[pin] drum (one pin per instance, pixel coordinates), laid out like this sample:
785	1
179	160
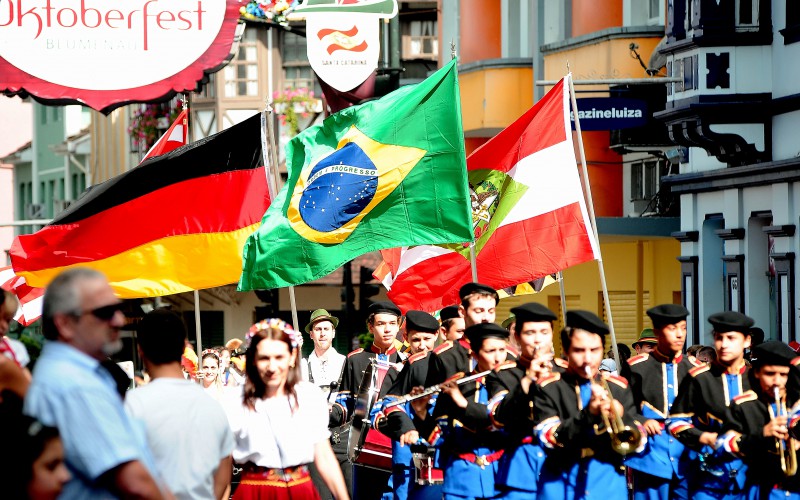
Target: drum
367	446
425	473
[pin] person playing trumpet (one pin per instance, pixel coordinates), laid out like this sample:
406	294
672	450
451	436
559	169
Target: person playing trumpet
757	430
585	421
511	389
659	472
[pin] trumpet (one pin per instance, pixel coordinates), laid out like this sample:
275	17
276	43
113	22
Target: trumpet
785	447
624	438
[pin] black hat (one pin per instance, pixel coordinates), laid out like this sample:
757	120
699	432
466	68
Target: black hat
772	352
449	312
477	332
731	321
383	308
532	312
471	288
588	321
667	314
419	321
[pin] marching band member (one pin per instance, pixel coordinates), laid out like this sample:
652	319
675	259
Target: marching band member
575	416
659	471
511	408
383	321
478	302
470	447
758	430
421	333
701	407
452	327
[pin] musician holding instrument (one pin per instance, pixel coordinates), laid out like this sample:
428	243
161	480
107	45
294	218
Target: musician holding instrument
478	303
585	420
396	421
470	446
511	406
383	322
701	408
758	430
659	472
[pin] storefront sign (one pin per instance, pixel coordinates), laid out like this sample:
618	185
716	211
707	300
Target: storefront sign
608	113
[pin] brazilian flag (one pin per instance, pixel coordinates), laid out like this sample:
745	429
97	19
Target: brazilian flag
388	173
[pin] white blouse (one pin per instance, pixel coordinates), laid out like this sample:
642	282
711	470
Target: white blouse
274	437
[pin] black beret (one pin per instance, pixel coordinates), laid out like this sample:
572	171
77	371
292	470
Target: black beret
667	314
532	312
588	321
731	321
419	321
383	308
449	312
477	332
471	288
772	352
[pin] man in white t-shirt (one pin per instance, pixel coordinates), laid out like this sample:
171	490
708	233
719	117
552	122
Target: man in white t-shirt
187	430
324	363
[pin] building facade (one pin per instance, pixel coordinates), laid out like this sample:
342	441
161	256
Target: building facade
734	111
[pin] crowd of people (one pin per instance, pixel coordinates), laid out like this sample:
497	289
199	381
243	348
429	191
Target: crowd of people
456	407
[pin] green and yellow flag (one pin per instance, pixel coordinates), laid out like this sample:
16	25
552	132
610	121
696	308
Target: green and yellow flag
384	174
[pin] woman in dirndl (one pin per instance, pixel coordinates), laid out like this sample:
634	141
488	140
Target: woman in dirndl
282	425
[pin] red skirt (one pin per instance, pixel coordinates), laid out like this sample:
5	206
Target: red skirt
259	483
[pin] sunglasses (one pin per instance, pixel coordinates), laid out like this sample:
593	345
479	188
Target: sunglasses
105	313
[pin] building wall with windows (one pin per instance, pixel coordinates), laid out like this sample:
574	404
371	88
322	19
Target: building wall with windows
735	111
502	52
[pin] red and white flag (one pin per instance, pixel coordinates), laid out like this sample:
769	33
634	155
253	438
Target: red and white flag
30	298
174	137
528	211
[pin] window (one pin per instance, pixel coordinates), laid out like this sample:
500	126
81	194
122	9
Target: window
420	40
643	12
747	13
296	68
554	21
646	178
241	74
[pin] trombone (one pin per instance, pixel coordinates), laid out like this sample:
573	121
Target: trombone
624	438
785	447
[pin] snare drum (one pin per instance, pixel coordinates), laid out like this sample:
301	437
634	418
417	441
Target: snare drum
367	446
424	472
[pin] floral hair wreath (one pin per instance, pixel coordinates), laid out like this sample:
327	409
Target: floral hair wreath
209	352
269	324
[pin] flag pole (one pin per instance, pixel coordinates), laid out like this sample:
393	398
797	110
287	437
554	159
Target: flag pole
590	206
472	256
273	182
473	261
563	295
197	329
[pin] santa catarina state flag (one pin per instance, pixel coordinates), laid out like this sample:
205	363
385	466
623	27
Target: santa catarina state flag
175	223
528	214
387	173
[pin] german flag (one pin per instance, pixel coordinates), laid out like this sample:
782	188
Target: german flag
175	223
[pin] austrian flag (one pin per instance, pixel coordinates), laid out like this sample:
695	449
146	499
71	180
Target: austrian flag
528	214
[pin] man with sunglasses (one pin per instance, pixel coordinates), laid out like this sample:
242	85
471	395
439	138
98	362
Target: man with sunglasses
105	450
